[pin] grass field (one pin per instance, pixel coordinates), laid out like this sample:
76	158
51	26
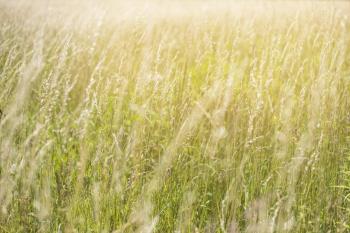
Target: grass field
185	116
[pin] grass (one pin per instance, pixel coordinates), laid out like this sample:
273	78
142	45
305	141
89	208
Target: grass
174	116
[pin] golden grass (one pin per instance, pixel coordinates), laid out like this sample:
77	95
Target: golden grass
186	116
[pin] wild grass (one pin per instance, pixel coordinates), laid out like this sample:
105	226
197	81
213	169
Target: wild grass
174	116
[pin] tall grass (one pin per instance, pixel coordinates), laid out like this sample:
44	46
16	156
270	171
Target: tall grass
174	116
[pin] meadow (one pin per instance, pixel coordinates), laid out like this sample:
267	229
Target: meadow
174	116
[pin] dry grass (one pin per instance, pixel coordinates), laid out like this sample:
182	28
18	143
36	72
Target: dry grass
159	116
